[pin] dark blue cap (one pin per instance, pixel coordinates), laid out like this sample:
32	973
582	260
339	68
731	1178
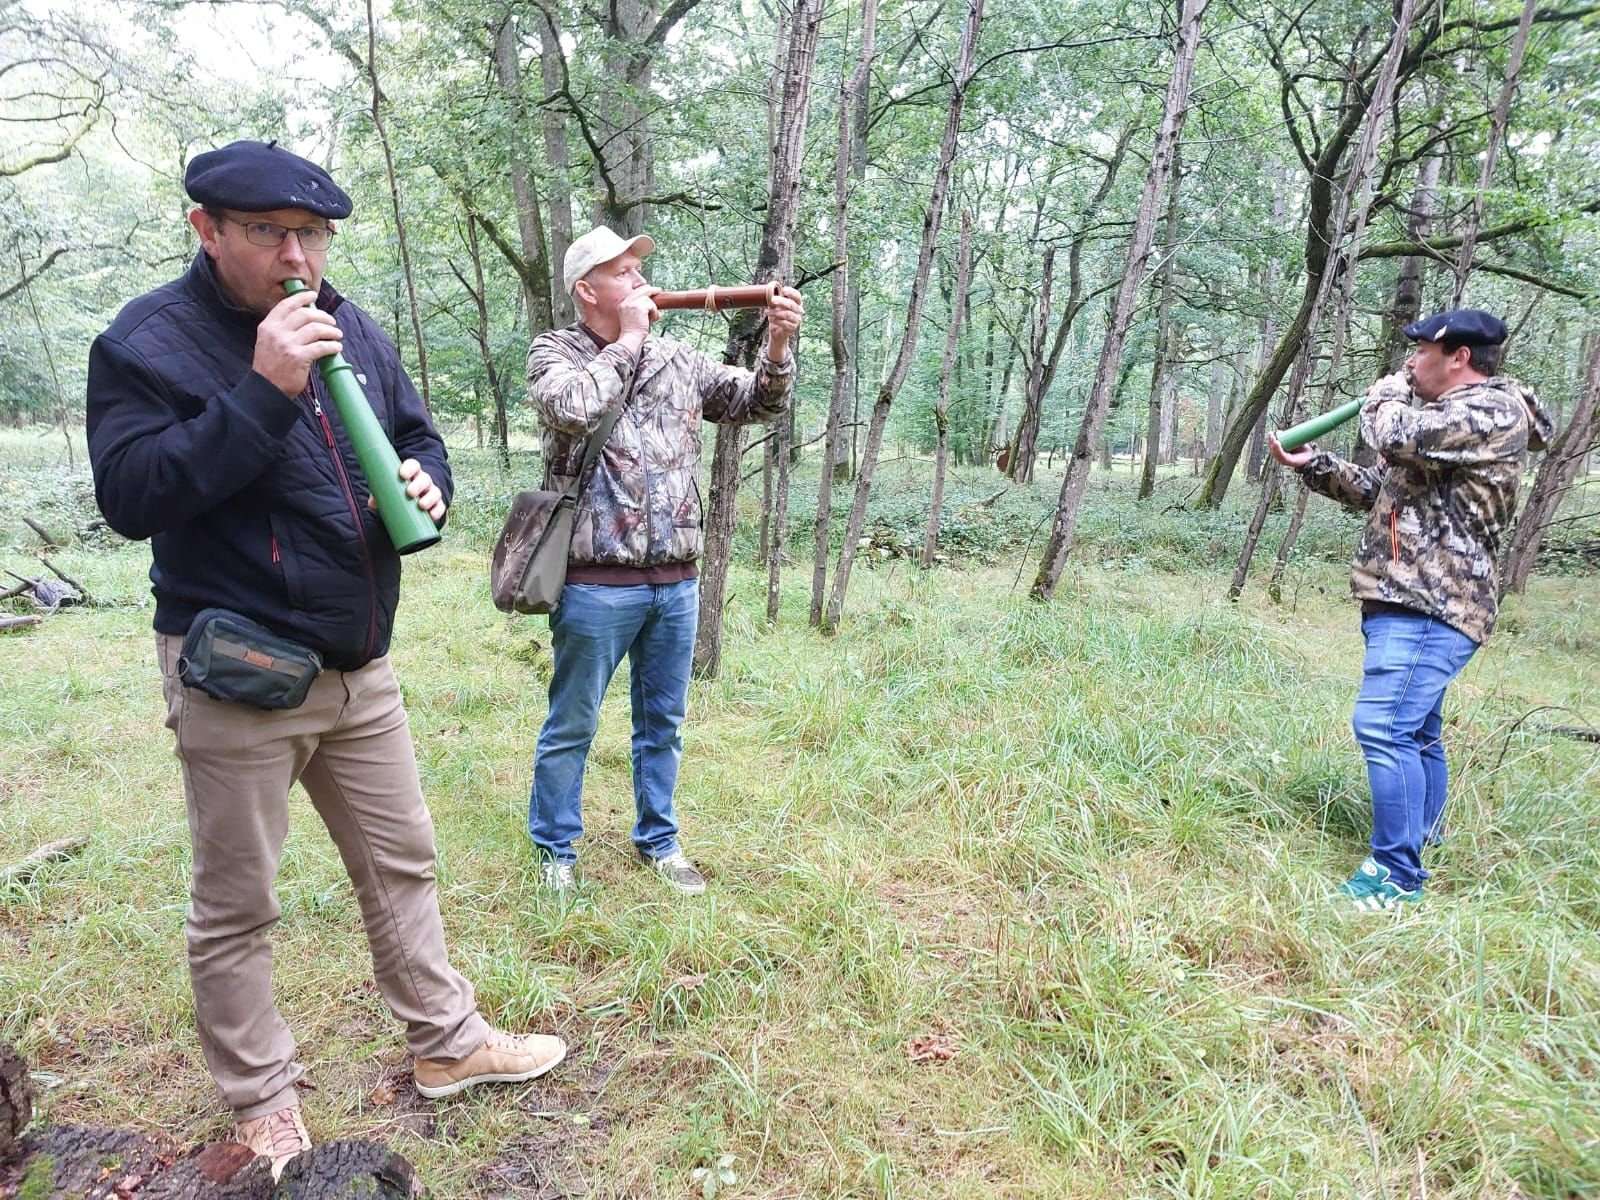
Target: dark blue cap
261	177
1459	327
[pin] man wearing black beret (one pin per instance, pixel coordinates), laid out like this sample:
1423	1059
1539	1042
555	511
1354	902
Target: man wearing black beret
1454	435
276	587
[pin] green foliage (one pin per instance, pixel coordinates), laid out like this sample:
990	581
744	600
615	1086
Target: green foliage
1083	848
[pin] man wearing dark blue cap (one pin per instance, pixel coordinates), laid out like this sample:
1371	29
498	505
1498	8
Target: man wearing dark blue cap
210	434
1453	434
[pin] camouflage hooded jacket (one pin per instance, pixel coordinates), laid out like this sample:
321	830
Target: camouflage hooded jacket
641	506
1440	499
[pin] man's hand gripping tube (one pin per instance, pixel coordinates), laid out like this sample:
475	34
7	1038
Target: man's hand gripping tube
409	527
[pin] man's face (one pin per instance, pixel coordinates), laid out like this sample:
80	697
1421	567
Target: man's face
605	287
1434	370
252	275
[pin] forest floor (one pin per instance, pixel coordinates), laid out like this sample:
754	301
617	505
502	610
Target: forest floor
1006	899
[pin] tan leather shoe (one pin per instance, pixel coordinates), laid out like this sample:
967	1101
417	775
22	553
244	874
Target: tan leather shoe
276	1137
501	1059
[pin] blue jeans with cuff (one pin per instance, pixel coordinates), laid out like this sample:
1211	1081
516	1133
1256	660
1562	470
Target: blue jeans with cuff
591	630
1410	660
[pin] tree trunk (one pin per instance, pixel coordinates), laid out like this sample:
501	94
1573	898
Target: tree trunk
1027	444
1241	429
774	261
1174	110
394	198
1216	397
536	282
908	344
1497	133
1408	282
1077	295
843	341
941	412
554	128
1155	426
502	428
1356	196
16	1099
1556	472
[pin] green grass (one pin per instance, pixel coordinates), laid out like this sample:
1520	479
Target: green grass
1086	846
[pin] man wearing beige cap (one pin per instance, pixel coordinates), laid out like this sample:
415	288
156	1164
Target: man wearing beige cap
632	577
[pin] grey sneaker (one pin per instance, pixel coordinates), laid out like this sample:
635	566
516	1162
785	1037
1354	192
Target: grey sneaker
556	876
677	870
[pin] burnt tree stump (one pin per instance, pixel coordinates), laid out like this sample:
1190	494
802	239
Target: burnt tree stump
75	1162
16	1099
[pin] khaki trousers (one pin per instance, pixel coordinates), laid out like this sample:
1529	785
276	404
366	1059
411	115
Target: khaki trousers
349	747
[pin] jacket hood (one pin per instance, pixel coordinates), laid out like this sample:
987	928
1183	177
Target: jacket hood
1540	426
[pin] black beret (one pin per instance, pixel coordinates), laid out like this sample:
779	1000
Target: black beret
261	177
1460	327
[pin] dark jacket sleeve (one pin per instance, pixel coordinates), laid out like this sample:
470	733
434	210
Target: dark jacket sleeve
154	469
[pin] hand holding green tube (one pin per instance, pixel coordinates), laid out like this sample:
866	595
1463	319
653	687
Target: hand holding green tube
1297	436
408	526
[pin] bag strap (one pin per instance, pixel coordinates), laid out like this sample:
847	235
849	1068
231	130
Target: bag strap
597	439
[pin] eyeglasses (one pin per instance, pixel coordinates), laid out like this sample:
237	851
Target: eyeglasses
313	238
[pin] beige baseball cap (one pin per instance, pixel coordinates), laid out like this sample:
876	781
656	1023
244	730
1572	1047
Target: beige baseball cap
596	248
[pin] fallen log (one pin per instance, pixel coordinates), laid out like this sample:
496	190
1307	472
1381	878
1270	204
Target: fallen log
59	850
19	622
76	1162
16	1098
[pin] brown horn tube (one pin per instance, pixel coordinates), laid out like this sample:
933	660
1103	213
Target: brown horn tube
715	299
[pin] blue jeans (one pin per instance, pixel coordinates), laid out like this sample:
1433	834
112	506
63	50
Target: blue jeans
590	631
1410	661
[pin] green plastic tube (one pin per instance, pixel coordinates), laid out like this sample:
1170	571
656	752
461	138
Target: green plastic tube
1296	436
408	526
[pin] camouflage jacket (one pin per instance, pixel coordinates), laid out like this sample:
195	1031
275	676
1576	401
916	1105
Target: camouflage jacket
641	506
1442	495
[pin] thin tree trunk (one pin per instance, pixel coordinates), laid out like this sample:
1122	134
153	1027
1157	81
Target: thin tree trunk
1027	448
1497	133
394	197
1174	110
502	431
941	411
774	261
1357	195
1281	563
1216	397
1408	281
1242	435
557	162
1556	472
1160	371
530	225
860	125
908	343
843	341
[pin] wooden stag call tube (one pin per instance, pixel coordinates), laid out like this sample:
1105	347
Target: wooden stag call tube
1296	436
715	299
408	526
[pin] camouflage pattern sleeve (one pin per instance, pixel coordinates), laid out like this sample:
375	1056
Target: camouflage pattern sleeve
735	396
1466	427
572	396
1351	485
